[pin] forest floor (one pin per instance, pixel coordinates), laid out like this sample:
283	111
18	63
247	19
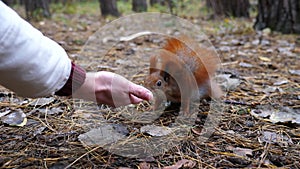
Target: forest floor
258	127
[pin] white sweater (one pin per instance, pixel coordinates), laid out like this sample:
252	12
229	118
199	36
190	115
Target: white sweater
31	64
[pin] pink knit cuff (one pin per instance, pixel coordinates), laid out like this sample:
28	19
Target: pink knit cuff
76	79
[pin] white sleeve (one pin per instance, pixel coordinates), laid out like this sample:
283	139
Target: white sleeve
31	64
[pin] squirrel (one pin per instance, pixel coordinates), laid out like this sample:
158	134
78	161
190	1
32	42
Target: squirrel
182	70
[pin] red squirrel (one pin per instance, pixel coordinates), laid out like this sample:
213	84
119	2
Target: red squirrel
183	71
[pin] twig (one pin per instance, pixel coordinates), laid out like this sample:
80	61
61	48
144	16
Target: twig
239	103
82	157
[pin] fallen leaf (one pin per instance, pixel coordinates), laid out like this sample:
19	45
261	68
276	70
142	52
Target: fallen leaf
224	48
39	130
182	163
15	118
82	114
265	59
294	72
266	31
297	50
272	137
109	39
197	130
246	65
227	82
5	113
155	130
42	101
144	165
265	42
51	111
283	115
147	159
100	136
120	128
255	42
261	113
286	51
244	152
280	82
242	53
271	89
235	42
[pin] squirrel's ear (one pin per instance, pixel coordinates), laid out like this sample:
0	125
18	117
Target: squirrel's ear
152	70
153	64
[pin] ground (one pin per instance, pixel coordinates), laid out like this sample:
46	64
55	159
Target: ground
263	70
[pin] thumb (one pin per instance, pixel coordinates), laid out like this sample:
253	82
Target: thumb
140	92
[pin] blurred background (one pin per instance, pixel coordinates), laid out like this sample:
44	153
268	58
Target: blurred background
278	15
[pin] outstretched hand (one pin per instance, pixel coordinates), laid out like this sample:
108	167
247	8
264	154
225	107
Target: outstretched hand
111	89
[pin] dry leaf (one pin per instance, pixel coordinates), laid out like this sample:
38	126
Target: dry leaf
244	152
271	89
280	82
246	65
272	137
144	165
227	82
295	72
197	130
261	113
265	59
15	118
182	163
42	101
103	135
284	115
156	130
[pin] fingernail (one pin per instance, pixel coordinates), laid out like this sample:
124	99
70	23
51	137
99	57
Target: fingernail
149	95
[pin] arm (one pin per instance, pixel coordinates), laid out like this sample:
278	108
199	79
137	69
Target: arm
33	65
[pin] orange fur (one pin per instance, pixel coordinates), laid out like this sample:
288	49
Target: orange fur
181	63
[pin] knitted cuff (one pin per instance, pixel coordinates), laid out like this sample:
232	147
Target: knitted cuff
76	79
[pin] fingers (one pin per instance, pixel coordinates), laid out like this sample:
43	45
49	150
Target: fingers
140	92
134	99
116	90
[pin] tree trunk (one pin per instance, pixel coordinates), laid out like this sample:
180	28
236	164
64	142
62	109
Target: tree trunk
139	5
279	15
153	2
109	7
235	8
32	7
208	3
172	6
10	2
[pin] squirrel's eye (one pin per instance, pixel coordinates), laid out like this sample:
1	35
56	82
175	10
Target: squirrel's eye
158	83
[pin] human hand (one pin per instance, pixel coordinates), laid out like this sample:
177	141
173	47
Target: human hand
111	89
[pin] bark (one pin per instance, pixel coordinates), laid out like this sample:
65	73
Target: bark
235	8
279	15
153	2
139	5
31	6
10	2
109	7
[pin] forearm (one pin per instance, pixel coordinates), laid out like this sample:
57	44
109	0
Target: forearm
33	65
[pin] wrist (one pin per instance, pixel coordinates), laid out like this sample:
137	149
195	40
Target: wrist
76	80
94	88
